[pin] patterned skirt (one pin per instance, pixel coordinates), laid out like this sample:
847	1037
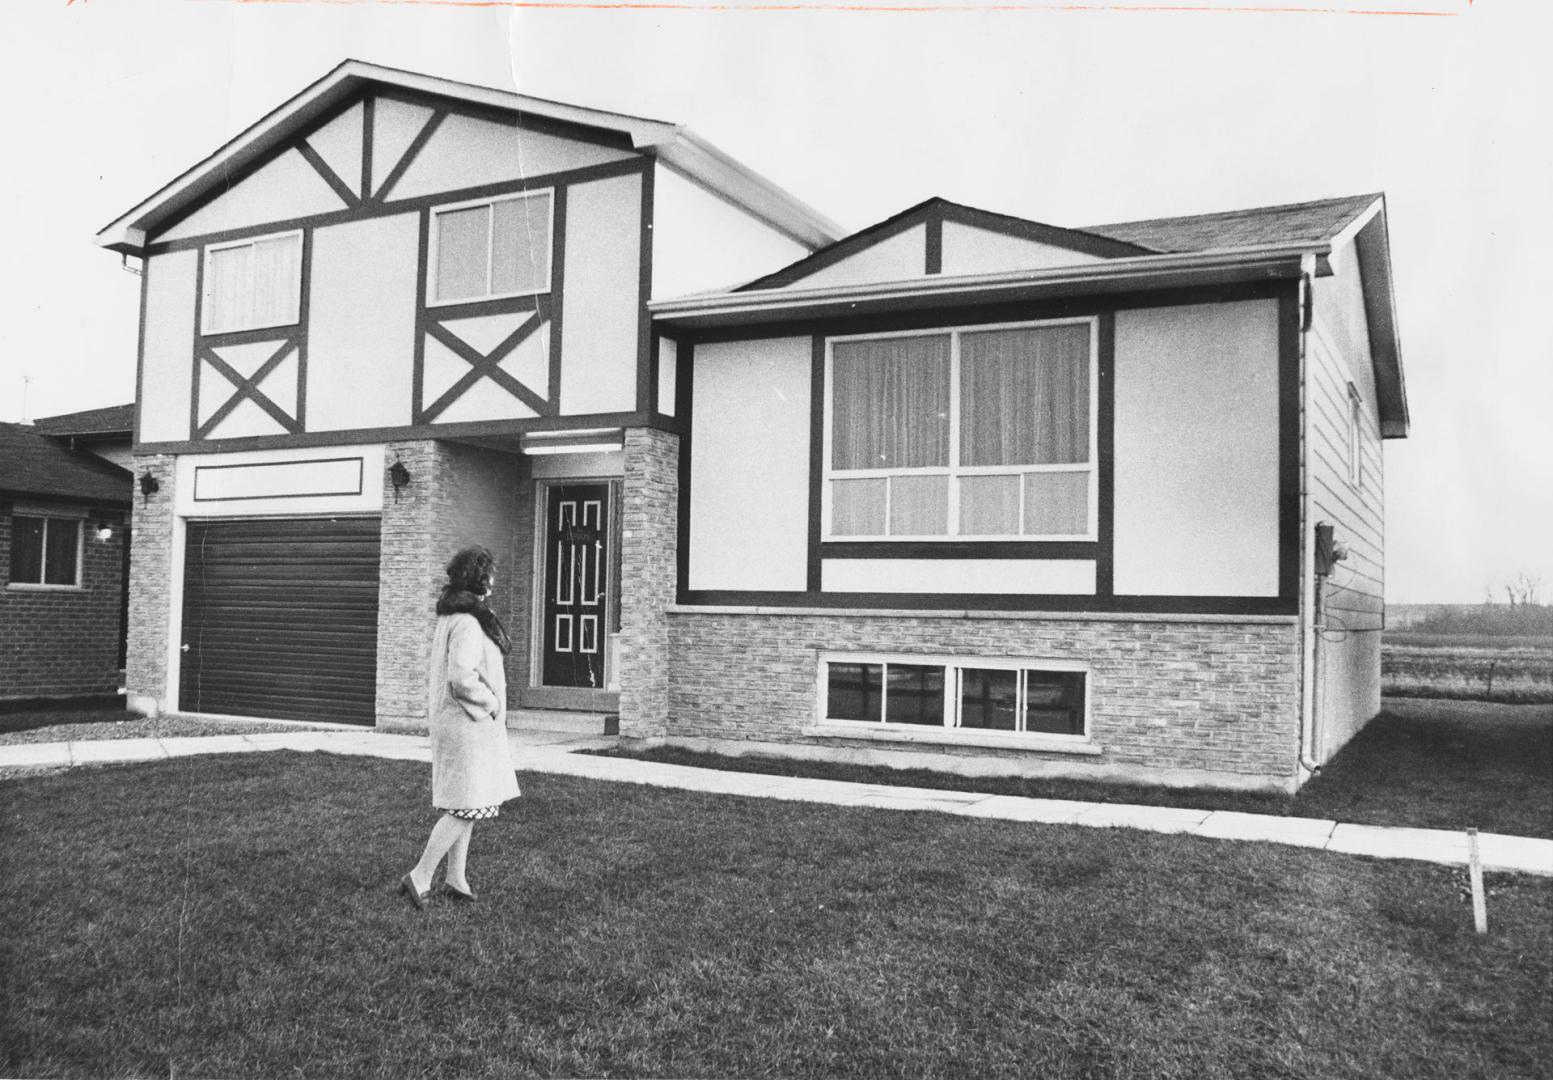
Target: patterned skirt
473	813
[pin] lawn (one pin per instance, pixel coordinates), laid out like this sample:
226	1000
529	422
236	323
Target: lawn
1479	667
1427	764
234	917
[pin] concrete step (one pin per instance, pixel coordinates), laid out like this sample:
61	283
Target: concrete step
578	723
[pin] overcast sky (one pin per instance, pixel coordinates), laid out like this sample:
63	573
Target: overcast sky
1061	113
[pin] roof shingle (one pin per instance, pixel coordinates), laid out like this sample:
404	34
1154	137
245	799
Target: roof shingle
34	464
1292	223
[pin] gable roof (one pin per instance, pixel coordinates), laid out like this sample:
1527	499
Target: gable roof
673	144
34	464
935	211
115	420
1321	220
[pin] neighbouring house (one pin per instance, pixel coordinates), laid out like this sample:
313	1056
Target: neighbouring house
109	433
64	546
959	490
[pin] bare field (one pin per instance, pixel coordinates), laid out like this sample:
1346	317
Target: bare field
1474	667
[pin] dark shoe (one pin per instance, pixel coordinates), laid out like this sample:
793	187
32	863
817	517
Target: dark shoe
458	894
419	899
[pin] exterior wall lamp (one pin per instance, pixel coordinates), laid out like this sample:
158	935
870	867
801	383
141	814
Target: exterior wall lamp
148	484
399	476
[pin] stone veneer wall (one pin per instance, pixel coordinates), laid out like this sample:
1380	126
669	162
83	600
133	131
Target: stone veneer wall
1184	701
457	495
59	643
150	590
649	524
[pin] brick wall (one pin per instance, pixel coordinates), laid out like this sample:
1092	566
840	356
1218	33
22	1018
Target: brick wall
648	526
457	495
150	590
63	642
1183	702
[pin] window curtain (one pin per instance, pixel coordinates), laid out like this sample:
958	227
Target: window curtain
277	278
890	403
254	285
229	272
1024	396
520	246
463	250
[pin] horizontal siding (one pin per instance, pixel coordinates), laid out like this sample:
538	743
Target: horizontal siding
280	619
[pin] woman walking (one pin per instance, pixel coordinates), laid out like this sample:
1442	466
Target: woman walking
471	769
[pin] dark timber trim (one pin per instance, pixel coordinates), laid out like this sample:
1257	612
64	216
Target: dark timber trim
934	261
248	388
558	214
645	390
418	373
816	459
195	338
684	402
473	429
332	178
422	137
1102	550
379	208
367	109
304	308
140	348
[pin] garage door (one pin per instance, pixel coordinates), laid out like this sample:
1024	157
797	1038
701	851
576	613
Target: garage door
280	619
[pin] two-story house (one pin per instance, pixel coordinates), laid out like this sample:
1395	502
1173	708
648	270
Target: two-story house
959	489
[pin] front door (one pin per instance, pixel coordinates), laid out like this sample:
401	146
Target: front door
576	585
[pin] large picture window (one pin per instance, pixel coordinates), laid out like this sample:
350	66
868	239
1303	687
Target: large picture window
974	695
45	551
491	249
979	433
252	284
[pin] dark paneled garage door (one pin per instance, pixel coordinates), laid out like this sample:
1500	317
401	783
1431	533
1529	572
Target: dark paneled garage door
280	619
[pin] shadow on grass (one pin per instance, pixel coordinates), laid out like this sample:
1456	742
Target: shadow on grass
1420	764
31	715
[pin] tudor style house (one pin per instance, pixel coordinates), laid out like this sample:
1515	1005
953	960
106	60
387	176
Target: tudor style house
959	490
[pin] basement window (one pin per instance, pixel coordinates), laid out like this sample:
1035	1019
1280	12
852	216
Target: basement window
45	552
969	695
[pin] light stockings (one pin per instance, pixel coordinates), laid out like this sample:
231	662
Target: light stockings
450	837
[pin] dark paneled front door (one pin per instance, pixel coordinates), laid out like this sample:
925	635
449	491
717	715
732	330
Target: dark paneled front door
576	585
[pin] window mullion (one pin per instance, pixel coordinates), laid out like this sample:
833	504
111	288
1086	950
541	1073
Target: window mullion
43	553
952	697
884	687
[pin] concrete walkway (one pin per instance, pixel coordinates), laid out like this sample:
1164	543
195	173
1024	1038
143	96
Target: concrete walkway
556	752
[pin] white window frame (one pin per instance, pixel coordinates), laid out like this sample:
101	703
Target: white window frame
206	307
433	246
1355	437
954	667
954	471
80	550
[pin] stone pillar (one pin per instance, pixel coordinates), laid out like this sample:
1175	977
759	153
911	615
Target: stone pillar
151	573
648	571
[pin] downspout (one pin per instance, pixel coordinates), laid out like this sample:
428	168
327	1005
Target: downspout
1310	595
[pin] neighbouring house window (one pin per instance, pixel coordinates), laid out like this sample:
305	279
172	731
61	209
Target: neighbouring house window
252	284
491	249
982	433
969	695
45	551
1355	440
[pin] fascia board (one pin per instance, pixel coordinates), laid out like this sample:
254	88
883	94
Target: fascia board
702	163
1282	260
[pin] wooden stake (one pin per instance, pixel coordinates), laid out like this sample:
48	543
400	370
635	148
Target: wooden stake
1475	868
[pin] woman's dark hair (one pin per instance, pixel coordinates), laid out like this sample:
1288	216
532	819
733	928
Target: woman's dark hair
469	582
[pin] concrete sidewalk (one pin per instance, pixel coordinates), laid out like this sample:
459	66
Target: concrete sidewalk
556	752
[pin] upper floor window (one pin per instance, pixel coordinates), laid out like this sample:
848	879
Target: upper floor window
252	284
1355	440
983	433
491	249
45	551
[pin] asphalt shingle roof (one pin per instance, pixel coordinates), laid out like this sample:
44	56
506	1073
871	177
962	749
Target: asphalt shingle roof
1292	223
114	420
34	464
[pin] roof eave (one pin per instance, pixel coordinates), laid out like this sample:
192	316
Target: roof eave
1114	275
1372	245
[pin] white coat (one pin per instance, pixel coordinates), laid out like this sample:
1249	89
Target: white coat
471	765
